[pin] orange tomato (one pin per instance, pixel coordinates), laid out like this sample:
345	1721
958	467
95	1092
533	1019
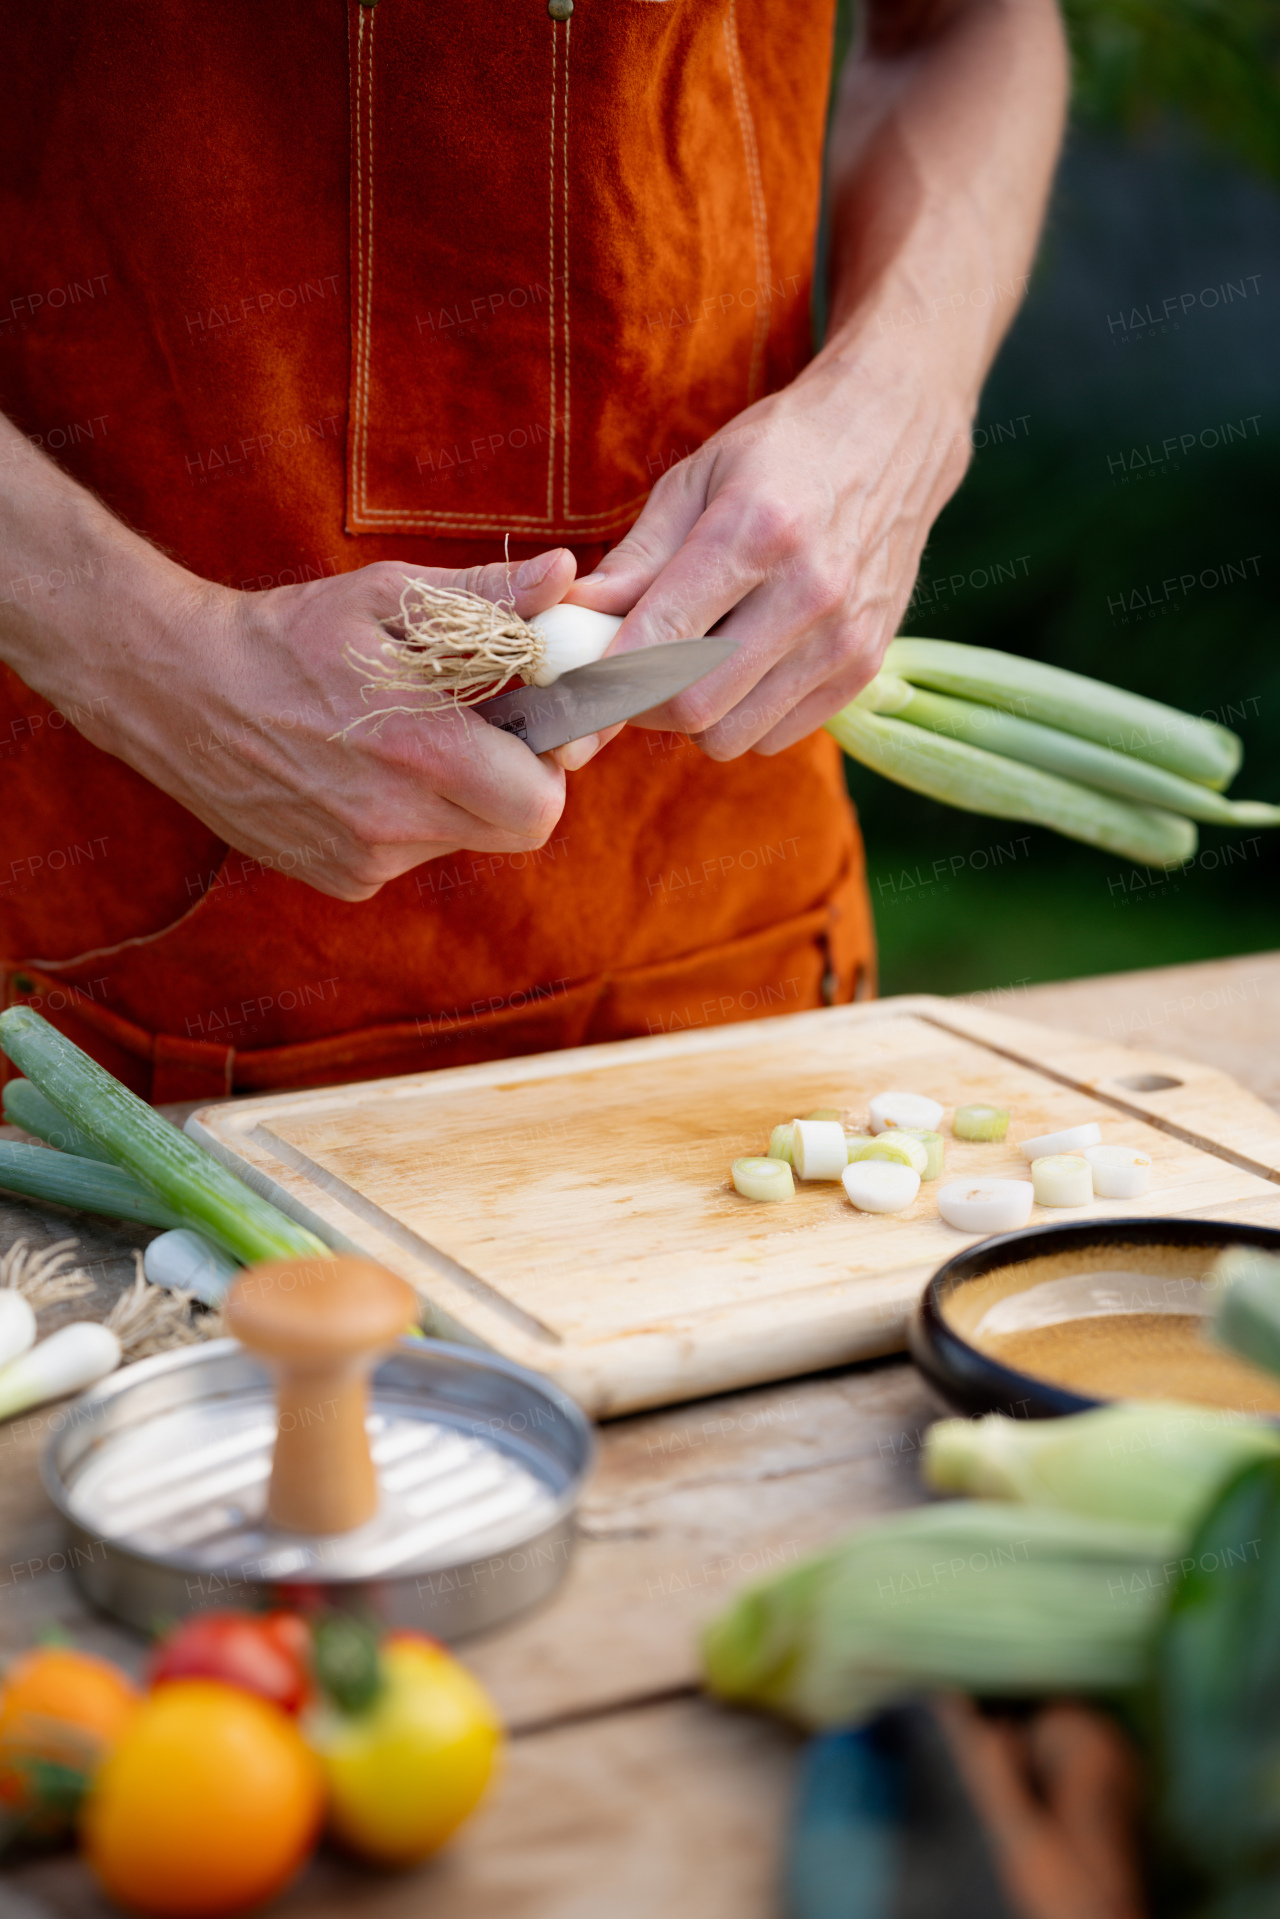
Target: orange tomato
59	1707
207	1806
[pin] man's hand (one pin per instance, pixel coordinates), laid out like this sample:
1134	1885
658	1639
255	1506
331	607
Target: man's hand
799	526
230	702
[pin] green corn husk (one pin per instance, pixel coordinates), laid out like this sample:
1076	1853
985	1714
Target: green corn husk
1247	1321
1145	729
26	1106
1065	753
988	1597
1155	1463
980	782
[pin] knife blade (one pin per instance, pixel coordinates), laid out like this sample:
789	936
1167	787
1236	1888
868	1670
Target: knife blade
589	698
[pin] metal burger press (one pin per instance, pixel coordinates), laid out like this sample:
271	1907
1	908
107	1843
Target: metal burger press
319	1458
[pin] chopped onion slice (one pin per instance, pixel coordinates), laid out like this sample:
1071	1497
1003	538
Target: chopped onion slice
904	1109
986	1205
820	1151
782	1142
763	1179
1069	1140
1062	1179
880	1185
932	1143
1119	1172
905	1148
980	1122
853	1141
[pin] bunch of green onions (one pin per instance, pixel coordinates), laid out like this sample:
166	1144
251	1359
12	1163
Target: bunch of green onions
992	733
119	1157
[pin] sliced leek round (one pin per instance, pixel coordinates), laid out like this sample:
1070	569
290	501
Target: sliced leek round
903	1148
933	1146
880	1185
820	1151
980	1122
1118	1172
1062	1179
1072	1139
782	1141
904	1109
763	1179
986	1205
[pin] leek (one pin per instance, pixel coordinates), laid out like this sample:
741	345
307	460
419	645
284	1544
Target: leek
767	1179
980	1122
60	1179
1062	1179
880	1185
1159	1464
1248	1317
977	781
74	1357
986	1596
26	1106
1197	749
1066	753
193	1186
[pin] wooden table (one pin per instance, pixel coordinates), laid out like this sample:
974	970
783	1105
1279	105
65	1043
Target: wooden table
624	1791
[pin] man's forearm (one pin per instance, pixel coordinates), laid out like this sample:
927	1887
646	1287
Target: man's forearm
943	147
74	580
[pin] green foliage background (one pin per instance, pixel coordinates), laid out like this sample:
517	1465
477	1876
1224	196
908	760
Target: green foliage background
1179	99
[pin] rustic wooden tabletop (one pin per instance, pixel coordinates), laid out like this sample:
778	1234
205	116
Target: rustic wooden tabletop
624	1791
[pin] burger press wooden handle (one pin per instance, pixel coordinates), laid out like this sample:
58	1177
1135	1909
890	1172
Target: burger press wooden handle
320	1324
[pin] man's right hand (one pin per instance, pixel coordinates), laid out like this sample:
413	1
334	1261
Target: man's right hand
231	702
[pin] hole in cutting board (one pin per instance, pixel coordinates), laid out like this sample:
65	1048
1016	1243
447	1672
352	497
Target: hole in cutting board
1147	1083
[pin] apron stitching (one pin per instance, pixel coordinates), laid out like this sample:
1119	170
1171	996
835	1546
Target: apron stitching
564	258
551	275
759	211
137	939
365	169
357	265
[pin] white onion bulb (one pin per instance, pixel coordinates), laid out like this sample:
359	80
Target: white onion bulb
1070	1140
1062	1179
573	636
986	1205
904	1109
880	1185
17	1324
1119	1172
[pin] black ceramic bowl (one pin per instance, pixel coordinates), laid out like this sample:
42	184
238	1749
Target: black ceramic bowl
971	1381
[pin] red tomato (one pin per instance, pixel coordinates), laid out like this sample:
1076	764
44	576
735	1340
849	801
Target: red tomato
262	1653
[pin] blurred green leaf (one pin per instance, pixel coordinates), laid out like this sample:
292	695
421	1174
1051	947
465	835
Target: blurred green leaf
1216	62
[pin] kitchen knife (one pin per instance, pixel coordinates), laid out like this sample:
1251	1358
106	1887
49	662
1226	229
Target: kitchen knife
589	698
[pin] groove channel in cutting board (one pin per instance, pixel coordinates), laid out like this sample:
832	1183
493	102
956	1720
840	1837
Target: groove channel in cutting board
598	1201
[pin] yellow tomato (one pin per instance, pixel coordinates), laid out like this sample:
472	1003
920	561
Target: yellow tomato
207	1806
405	1773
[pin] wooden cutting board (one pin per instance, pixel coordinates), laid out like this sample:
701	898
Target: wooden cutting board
573	1211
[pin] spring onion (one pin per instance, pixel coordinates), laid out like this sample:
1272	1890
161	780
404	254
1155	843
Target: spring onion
933	1146
1119	1172
1158	1464
1071	1139
880	1185
194	1188
820	1150
986	1205
87	1184
904	1148
1062	1179
1146	729
571	636
782	1142
1248	1316
17	1324
68	1361
767	1179
979	1122
187	1262
981	782
26	1106
986	1596
854	1142
903	1109
1064	753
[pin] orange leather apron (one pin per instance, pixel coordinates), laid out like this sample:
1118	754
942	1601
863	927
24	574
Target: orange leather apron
298	287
